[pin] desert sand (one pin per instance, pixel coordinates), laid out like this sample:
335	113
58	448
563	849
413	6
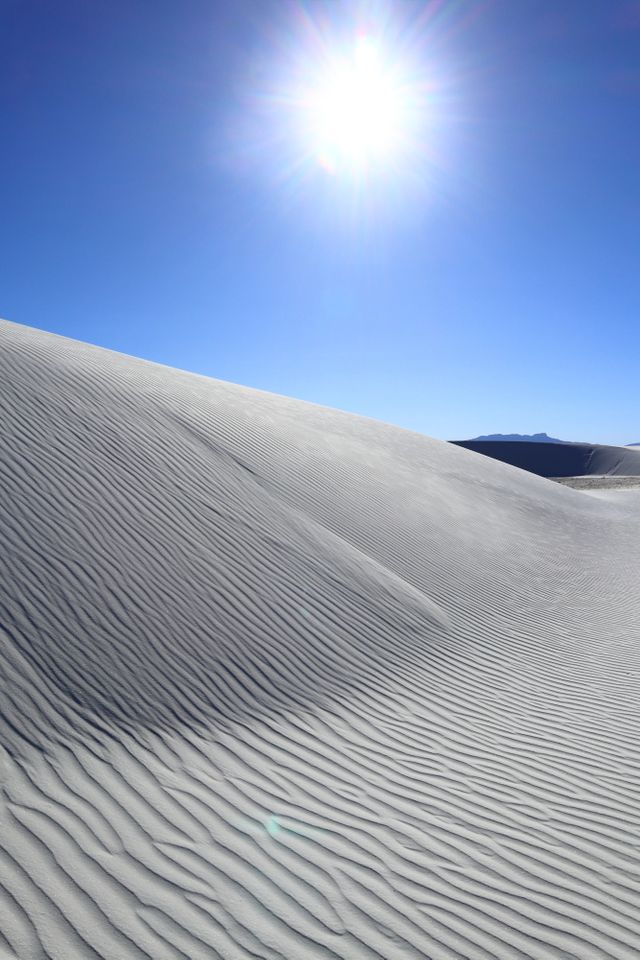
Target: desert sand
283	683
599	483
561	459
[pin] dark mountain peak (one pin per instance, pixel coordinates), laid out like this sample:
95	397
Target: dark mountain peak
528	437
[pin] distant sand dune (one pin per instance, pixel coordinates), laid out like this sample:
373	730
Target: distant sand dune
560	459
283	682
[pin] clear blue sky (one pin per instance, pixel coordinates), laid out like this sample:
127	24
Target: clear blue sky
151	202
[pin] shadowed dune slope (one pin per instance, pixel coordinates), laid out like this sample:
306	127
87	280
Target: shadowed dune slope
280	682
560	459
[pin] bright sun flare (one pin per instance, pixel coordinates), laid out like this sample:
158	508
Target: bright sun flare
357	110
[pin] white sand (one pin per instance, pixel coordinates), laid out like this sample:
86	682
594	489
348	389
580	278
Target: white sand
605	482
283	682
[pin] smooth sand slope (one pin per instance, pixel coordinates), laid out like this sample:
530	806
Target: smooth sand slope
283	682
560	459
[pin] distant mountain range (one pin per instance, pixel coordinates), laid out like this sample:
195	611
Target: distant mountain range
530	437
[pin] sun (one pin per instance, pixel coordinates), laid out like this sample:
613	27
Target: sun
357	110
349	108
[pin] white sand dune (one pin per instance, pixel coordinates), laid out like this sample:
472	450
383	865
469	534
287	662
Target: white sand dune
283	682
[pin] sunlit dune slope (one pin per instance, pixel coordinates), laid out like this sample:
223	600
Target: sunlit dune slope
283	682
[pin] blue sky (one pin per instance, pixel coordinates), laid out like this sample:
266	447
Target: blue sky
155	199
